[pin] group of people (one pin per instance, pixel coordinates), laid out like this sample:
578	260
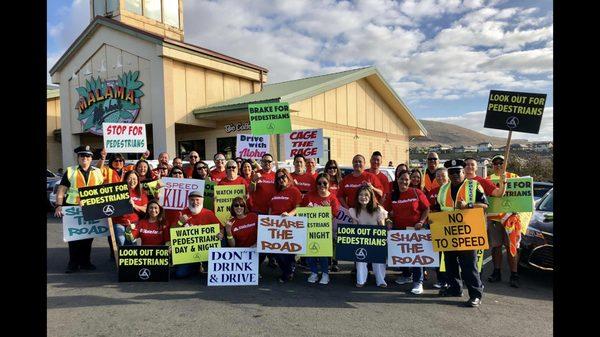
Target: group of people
366	193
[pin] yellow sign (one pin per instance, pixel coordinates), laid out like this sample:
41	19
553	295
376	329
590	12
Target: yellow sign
223	197
191	244
319	241
459	230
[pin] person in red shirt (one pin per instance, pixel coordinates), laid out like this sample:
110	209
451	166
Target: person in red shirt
246	171
349	186
139	201
242	228
334	175
285	201
409	208
262	187
303	180
193	159
311	167
195	215
232	177
151	229
401	167
376	160
416	179
218	173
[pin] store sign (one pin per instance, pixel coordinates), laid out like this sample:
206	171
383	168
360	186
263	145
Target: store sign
235	127
110	101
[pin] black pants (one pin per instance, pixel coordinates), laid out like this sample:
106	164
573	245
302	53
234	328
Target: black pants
467	260
287	263
79	252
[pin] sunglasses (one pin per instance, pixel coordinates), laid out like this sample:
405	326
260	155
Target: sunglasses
282	178
239	205
231	167
497	163
85	155
322	183
267	161
432	159
177	172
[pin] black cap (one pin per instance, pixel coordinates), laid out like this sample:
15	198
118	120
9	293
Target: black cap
84	149
454	164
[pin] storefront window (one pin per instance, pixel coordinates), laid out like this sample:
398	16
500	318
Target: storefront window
171	12
134	6
326	151
227	146
184	148
152	9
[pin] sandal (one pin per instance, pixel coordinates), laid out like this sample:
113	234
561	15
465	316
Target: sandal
358	285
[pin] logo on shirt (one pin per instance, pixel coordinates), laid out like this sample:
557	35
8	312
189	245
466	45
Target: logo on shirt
108	210
403	201
144	273
360	253
353	185
280	197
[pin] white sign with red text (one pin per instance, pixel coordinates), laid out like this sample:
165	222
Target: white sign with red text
252	147
174	194
124	137
411	248
305	142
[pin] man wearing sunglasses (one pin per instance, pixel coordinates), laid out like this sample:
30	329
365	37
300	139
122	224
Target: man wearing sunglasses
433	161
232	177
218	173
193	158
75	177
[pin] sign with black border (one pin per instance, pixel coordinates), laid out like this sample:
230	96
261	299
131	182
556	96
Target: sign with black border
515	111
143	264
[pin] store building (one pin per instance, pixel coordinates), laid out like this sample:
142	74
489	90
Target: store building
131	65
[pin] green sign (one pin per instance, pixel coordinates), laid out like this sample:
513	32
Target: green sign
518	197
209	193
110	101
191	244
224	195
319	239
270	118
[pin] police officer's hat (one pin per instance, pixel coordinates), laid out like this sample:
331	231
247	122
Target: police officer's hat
84	149
195	194
454	164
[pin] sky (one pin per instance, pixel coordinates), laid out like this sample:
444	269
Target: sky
442	57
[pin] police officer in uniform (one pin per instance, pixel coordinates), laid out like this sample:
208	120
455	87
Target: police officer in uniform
76	177
461	193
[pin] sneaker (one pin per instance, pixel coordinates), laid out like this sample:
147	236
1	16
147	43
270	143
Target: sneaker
382	285
473	302
404	280
495	277
88	266
439	285
514	281
313	278
324	279
417	288
360	285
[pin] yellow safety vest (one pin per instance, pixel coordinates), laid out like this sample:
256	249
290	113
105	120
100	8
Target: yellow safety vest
76	180
466	192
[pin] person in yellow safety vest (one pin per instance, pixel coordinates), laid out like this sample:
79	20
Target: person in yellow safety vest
505	229
461	193
429	182
75	177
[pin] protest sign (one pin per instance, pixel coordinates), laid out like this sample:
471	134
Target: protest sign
342	218
209	193
124	137
76	228
282	235
252	147
515	111
458	230
232	267
191	244
270	118
104	201
319	241
143	264
361	243
224	195
518	196
410	248
174	193
308	143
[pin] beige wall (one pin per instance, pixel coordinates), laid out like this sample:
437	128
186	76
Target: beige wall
53	148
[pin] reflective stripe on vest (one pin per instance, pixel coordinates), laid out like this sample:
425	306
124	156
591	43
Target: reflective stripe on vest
110	175
466	192
76	180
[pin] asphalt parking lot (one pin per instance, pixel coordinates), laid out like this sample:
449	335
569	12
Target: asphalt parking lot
95	304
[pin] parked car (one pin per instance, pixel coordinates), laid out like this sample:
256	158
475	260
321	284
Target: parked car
51	179
540	189
538	242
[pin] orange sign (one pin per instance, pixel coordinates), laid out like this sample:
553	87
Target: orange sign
459	230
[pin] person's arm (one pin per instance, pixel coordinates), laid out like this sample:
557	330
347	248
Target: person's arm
501	189
60	199
422	220
230	238
100	162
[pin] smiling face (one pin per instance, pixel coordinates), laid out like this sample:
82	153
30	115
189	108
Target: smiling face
118	163
247	169
178	162
231	169
311	164
84	160
470	167
132	181
239	208
266	163
220	162
163	158
282	180
299	165
153	210
322	185
415	179
358	164
403	182
194	157
364	197
142	168
376	162
441	177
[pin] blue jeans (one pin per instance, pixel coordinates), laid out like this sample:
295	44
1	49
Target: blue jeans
417	274
185	270
314	262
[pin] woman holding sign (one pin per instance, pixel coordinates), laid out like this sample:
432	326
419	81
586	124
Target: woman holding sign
242	227
149	182
284	202
409	208
139	200
368	212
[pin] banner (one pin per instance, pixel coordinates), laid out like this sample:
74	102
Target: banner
232	267
76	228
411	248
124	137
191	244
361	243
174	193
308	143
319	241
143	264
342	218
209	193
515	111
252	147
105	201
459	230
270	118
224	195
282	235
518	196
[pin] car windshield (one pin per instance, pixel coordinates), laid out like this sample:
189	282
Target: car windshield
547	205
540	190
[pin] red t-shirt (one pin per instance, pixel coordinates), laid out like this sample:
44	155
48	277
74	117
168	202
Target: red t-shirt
139	200
333	187
245	230
217	176
285	200
205	217
487	185
265	190
304	182
188	171
432	197
152	234
314	199
408	208
237	181
350	184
